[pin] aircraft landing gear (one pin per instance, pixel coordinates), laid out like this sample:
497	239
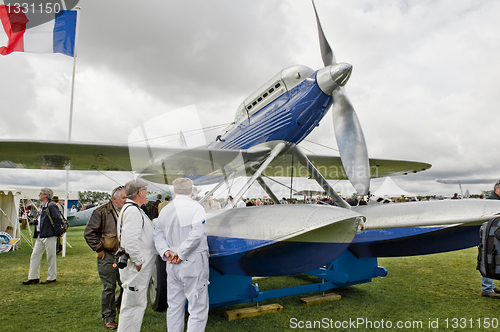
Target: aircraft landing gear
158	286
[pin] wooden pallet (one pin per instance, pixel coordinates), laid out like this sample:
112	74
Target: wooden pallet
252	312
308	301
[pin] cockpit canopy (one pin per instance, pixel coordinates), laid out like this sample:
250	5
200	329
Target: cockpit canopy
275	87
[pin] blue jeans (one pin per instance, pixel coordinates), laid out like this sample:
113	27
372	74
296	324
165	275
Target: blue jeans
487	285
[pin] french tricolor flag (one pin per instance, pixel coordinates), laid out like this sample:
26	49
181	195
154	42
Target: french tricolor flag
57	35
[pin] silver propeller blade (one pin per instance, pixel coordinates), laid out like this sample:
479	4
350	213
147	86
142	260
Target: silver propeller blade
351	142
326	51
350	138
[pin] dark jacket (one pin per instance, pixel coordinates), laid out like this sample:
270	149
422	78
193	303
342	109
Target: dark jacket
100	232
46	228
153	210
493	196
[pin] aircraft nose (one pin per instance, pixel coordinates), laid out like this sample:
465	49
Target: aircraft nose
341	73
331	77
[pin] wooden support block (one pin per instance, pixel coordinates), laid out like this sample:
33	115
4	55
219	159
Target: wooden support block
307	301
252	312
258	278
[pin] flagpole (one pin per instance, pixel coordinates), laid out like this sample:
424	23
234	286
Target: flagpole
78	9
72	97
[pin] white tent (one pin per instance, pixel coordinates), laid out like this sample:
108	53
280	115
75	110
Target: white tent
32	193
9	217
390	189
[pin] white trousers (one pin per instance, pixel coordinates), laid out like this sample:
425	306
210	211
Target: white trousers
134	298
48	245
188	280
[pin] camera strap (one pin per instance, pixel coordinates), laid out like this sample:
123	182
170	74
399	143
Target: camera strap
121	219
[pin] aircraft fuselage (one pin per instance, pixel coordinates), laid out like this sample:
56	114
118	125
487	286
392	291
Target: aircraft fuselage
290	115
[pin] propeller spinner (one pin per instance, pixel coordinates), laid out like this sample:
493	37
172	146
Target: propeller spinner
348	132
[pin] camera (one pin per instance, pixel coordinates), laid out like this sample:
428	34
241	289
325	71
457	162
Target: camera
121	258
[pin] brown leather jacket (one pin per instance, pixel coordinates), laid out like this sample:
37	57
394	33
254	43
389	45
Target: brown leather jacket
100	232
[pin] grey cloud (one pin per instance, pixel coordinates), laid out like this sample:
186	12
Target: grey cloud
424	79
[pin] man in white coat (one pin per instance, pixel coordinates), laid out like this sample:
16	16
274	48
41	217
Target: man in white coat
135	232
181	239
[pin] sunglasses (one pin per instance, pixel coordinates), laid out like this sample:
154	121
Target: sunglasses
116	189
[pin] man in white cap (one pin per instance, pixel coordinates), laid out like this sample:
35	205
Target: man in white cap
135	232
181	239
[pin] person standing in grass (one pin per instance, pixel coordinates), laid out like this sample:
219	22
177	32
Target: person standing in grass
101	236
181	239
48	220
135	232
56	200
488	287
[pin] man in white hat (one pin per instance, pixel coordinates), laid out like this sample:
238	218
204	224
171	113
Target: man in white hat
135	232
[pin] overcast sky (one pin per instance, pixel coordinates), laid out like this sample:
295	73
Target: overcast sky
424	82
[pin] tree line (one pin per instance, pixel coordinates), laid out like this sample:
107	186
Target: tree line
92	196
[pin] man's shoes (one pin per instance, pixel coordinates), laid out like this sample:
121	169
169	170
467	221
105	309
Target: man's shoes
111	325
491	294
31	281
48	281
497	290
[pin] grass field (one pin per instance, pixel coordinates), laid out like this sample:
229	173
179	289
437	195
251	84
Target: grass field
441	291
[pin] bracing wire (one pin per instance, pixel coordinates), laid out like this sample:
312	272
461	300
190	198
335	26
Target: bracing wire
322	145
192	132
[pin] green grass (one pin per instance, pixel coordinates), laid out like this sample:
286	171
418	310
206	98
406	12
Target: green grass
422	288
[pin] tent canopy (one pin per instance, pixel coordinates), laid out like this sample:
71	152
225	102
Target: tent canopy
9	207
32	193
390	189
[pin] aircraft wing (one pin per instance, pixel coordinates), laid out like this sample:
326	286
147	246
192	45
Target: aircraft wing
159	164
164	164
57	155
467	181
